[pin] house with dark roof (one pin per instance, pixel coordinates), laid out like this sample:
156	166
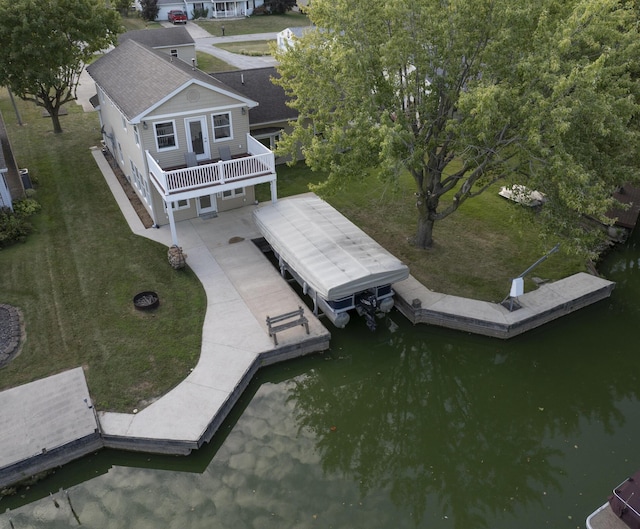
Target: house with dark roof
180	135
272	115
174	41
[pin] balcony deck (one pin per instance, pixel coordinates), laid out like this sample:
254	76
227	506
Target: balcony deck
251	168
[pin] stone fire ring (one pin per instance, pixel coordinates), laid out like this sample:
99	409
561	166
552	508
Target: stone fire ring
11	333
146	300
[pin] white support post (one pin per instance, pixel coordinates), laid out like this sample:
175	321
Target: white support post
172	223
274	191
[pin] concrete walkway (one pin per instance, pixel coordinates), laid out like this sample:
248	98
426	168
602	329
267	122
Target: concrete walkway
206	43
242	289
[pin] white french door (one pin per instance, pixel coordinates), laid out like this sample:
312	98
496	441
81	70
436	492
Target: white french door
198	137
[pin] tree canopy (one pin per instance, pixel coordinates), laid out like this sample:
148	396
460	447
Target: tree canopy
46	44
465	93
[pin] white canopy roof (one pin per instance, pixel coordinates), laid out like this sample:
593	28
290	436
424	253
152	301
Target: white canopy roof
329	252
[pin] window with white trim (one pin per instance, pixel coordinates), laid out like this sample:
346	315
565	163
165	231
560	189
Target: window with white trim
136	135
233	193
166	135
141	183
180	204
173	52
222	126
124	123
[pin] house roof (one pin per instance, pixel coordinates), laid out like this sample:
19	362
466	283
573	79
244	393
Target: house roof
159	38
138	79
256	84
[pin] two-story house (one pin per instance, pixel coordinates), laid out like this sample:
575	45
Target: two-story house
180	135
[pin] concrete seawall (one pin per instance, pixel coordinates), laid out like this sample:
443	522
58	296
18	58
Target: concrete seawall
547	303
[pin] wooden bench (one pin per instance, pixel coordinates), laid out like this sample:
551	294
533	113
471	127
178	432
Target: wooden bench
286	321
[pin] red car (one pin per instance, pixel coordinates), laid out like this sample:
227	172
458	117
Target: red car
177	17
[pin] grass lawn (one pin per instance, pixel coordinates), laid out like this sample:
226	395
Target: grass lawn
249	47
254	24
135	22
75	277
210	64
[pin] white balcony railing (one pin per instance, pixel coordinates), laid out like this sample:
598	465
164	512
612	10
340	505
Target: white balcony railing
258	162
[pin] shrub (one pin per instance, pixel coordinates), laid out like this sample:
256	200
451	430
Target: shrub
14	226
26	207
200	13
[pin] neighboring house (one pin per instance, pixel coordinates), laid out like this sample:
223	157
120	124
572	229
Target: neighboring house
175	41
228	9
287	37
272	115
6	200
181	136
11	184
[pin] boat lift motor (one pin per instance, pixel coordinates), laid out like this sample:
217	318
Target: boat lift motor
517	284
367	306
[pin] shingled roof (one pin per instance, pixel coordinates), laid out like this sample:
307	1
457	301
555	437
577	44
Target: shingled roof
137	78
256	84
159	38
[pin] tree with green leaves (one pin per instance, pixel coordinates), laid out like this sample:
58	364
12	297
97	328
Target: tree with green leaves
149	9
45	45
463	94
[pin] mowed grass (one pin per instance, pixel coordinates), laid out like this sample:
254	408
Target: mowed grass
75	277
254	24
478	250
210	64
249	47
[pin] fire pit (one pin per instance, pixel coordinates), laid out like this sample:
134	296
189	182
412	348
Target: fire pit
146	300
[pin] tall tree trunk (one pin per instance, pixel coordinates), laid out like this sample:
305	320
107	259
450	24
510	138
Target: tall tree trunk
55	119
424	233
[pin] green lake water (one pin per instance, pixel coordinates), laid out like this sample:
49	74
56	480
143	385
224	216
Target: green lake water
407	427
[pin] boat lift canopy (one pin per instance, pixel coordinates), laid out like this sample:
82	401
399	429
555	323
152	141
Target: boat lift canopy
330	253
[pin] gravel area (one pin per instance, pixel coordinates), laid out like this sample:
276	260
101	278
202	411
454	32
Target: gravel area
11	333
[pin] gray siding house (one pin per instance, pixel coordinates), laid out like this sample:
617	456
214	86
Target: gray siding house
180	135
215	9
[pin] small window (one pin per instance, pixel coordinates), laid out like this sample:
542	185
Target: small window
222	126
124	123
180	204
136	135
166	135
233	193
173	53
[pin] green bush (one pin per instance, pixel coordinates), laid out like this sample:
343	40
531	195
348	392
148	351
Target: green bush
14	226
199	13
26	207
